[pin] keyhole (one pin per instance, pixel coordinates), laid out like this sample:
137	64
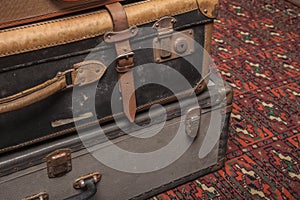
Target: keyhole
181	45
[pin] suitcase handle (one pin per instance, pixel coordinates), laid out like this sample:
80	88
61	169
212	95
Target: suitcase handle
88	183
90	190
82	74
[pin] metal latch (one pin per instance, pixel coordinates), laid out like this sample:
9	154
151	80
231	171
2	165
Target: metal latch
169	44
39	196
59	163
193	121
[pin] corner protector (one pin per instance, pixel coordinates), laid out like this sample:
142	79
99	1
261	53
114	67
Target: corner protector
208	8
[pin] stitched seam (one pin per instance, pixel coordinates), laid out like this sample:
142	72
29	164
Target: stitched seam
50	22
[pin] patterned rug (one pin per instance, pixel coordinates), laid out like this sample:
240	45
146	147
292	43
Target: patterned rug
256	46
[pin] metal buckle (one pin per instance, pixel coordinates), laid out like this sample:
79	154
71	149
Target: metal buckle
66	74
125	55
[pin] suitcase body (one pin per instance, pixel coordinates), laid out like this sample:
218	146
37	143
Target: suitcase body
199	148
36	57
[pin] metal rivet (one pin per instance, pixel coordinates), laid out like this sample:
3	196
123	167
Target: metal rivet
97	70
157	24
205	10
80	70
82	184
173	20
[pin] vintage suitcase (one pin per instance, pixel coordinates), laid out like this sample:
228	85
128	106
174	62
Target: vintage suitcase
190	141
19	12
101	54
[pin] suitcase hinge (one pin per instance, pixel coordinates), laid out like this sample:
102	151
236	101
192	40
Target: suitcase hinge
59	163
169	44
193	121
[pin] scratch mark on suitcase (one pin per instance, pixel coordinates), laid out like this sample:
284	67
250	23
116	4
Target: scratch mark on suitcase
62	122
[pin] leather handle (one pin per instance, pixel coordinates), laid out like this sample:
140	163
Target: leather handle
33	95
82	74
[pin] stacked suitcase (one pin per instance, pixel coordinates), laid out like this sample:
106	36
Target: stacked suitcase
80	98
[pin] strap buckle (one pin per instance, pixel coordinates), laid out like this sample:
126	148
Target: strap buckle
125	62
69	76
125	55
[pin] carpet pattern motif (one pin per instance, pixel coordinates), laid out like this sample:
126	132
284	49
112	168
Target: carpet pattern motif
256	47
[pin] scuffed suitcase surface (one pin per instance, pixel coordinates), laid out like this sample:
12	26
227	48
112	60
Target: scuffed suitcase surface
128	185
24	70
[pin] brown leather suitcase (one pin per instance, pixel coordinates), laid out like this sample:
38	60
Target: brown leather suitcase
62	75
19	12
180	142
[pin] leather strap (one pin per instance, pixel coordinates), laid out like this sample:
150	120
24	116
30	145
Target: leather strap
82	74
125	61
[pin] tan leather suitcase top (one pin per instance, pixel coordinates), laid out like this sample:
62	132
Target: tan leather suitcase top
18	12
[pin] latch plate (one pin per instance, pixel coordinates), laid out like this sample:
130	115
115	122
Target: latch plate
180	44
193	121
59	163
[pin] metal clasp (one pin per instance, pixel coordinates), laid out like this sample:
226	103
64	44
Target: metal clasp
169	44
193	121
125	55
164	27
59	163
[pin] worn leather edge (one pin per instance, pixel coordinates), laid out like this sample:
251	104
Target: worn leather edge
62	31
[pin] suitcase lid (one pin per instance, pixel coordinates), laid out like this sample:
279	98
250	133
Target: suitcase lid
19	12
88	25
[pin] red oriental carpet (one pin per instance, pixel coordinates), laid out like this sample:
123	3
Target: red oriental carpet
256	47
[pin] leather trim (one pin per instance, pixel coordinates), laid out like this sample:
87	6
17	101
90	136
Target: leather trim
62	31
